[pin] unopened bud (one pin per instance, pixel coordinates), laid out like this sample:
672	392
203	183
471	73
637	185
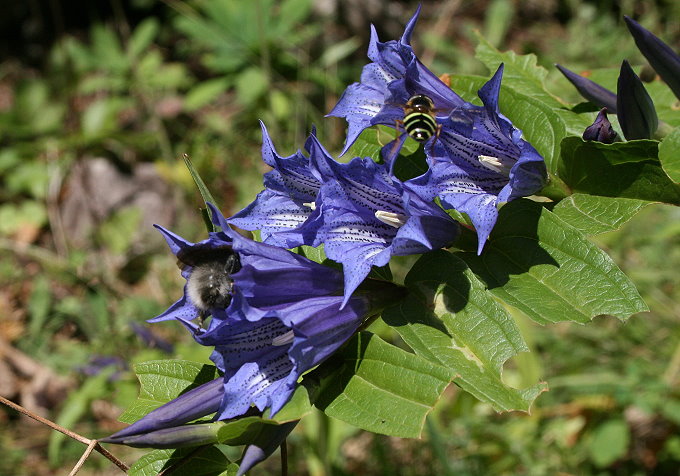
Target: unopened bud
601	130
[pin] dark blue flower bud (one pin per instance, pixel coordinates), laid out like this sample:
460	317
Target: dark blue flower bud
196	403
593	92
601	130
176	437
662	58
636	112
264	445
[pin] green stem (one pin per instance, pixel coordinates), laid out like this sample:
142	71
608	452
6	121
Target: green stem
555	189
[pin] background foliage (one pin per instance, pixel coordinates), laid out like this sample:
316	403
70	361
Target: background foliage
95	115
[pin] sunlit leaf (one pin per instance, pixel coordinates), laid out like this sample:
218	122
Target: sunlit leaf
450	319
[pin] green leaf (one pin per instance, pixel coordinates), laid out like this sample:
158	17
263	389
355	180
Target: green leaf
205	92
163	380
372	140
380	388
521	72
593	215
202	188
142	37
450	319
609	442
669	155
76	405
315	254
623	169
549	270
242	431
205	462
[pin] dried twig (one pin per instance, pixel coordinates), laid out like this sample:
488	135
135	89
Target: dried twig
95	445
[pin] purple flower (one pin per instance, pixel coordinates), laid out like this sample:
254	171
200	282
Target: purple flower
593	92
636	112
601	130
363	104
196	403
663	59
285	210
285	315
477	157
369	216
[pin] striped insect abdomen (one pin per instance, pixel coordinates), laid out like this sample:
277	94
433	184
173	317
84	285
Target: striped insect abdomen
420	125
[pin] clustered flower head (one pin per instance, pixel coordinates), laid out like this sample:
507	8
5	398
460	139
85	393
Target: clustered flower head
274	314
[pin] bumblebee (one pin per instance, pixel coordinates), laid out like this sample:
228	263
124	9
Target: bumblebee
419	118
210	285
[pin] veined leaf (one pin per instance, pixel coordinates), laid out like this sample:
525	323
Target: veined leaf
669	155
623	169
551	271
378	387
208	462
163	380
593	215
450	319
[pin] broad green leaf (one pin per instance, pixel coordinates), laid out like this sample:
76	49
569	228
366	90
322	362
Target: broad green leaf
372	140
593	215
549	270
669	155
380	388
315	254
75	407
409	166
521	72
297	407
204	93
609	442
204	462
142	37
450	319
241	431
623	169
163	380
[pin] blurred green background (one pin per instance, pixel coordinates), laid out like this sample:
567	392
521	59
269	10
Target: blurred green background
100	100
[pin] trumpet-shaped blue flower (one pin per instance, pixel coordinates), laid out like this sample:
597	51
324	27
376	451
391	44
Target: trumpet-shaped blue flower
477	157
663	59
365	104
369	216
285	210
285	315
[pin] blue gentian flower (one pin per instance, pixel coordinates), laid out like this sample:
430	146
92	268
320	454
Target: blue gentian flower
286	314
477	157
636	112
285	210
593	92
363	104
198	402
663	59
369	216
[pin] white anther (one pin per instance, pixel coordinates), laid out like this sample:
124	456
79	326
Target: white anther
311	205
283	339
495	164
396	220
